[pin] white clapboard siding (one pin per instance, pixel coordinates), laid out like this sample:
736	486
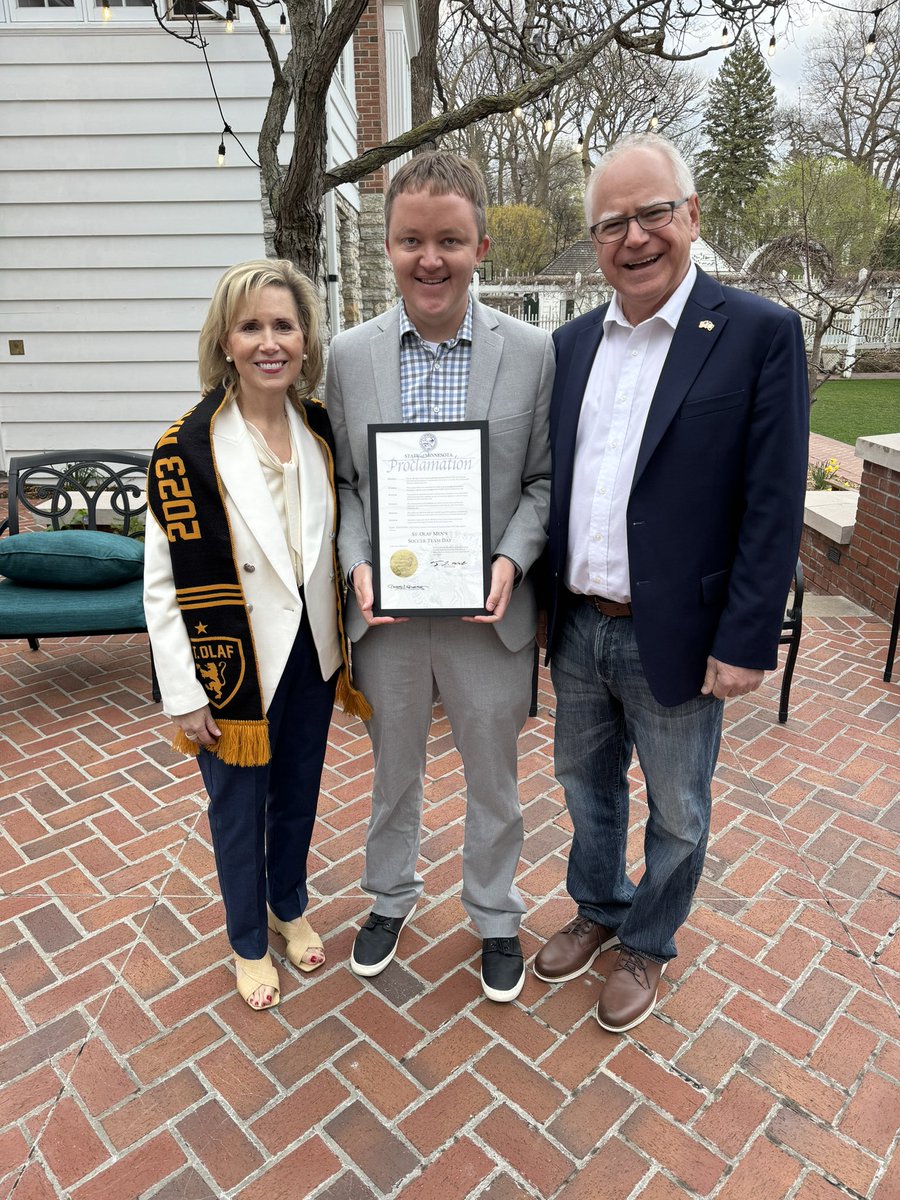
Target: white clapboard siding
125	220
93	46
115	222
97	118
159	283
123	152
160	409
109	344
67	188
123	316
106	377
133	436
116	252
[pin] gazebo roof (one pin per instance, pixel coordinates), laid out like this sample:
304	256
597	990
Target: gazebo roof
580	258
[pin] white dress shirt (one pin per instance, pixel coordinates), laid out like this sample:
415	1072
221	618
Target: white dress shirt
620	388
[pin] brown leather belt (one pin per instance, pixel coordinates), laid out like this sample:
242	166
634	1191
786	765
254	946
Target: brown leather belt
609	608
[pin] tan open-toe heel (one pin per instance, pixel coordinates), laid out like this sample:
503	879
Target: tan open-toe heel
254	973
300	937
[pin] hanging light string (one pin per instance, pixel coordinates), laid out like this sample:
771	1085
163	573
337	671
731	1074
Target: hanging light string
876	13
194	37
226	128
870	44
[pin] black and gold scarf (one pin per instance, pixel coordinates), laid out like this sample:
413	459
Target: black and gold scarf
185	496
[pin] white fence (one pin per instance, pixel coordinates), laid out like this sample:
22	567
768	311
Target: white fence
873	325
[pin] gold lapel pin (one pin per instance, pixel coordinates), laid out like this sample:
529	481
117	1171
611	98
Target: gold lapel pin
706	325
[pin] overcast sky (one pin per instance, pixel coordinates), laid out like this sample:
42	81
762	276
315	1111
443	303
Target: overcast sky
786	65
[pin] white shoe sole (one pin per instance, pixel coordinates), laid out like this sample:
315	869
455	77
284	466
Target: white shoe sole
509	994
607	945
367	970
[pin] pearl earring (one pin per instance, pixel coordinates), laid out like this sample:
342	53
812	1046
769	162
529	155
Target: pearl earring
305	357
228	358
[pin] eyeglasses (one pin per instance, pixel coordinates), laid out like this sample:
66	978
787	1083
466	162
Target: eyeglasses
655	216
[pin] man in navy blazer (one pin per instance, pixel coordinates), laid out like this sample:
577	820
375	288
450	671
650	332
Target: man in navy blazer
678	427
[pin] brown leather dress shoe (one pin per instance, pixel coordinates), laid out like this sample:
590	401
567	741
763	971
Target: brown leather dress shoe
629	994
571	951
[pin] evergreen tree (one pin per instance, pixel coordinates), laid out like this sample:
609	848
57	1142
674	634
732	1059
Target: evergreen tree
740	127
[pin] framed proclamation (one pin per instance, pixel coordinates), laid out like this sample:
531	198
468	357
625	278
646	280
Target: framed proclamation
431	535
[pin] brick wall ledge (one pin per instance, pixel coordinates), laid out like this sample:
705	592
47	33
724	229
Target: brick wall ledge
851	540
883	449
832	514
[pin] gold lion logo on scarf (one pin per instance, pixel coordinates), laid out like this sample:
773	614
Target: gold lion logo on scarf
220	667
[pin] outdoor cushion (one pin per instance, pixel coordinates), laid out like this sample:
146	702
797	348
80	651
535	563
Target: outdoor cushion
42	612
71	558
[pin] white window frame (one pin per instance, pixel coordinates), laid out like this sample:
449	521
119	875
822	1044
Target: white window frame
87	12
143	14
45	16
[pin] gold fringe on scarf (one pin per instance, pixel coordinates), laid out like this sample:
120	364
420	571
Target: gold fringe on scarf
242	743
350	698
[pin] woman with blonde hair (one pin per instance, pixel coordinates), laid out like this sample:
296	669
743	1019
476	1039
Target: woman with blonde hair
242	600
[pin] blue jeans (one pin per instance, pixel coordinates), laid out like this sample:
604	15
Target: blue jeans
604	710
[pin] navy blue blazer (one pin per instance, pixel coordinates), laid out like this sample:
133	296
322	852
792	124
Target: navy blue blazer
716	505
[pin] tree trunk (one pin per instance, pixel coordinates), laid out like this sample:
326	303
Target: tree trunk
423	68
812	361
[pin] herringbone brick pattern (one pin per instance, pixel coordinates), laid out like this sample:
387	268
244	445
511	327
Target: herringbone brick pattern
131	1068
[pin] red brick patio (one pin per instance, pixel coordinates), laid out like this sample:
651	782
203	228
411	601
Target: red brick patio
131	1069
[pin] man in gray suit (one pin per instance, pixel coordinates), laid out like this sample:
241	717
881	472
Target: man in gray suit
439	355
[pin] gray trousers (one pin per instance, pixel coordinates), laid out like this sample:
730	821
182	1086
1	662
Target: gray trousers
486	691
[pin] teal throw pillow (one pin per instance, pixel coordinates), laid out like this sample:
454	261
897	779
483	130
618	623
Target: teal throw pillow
71	558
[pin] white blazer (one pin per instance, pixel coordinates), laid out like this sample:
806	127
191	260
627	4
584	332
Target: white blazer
264	563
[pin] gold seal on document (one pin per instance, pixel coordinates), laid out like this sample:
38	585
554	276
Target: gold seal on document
404	563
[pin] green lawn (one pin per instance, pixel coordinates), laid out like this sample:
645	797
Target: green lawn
846	409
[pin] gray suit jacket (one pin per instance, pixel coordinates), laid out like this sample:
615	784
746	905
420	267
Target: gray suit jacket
510	383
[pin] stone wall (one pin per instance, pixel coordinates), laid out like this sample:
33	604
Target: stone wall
349	269
375	270
851	541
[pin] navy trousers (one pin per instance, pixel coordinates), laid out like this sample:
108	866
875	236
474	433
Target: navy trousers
261	818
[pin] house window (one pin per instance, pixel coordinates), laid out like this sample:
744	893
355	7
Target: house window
187	10
33	11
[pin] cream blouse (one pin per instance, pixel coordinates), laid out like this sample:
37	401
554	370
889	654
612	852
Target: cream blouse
283	482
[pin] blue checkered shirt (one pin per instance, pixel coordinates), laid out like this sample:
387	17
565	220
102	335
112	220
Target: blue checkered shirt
434	385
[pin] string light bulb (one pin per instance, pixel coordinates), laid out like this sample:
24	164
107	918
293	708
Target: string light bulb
579	145
229	20
724	39
220	161
771	50
870	44
518	112
549	123
282	22
106	11
654	119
